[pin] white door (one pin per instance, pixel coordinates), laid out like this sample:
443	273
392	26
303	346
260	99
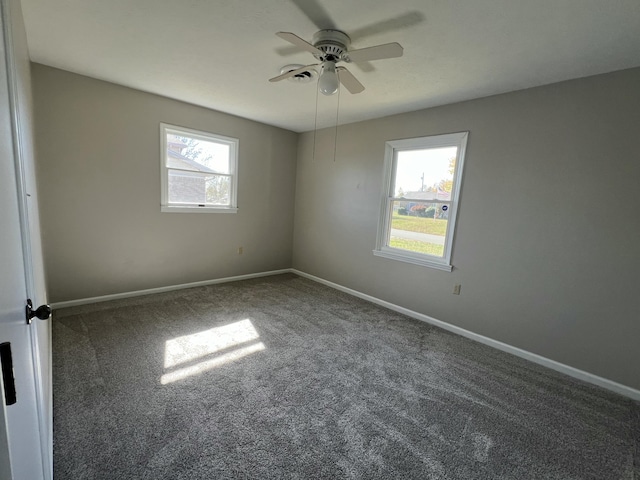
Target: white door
25	423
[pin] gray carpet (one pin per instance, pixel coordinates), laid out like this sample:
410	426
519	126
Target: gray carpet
283	378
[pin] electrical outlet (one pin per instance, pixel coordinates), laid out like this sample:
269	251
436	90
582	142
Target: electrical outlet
239	250
456	289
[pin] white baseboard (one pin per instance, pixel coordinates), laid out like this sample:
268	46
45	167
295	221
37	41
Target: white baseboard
149	291
540	360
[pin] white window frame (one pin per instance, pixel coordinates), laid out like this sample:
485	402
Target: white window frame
392	148
173	207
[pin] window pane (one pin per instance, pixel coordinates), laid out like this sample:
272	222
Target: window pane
198	189
218	189
425	174
188	153
419	227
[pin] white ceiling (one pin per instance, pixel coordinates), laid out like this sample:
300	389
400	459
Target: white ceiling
220	54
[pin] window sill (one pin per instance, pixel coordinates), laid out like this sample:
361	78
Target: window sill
166	209
417	259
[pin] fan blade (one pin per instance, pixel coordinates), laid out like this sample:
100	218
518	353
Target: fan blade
379	52
291	73
299	42
405	20
350	82
316	13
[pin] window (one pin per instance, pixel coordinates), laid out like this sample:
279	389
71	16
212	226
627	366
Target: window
199	171
422	186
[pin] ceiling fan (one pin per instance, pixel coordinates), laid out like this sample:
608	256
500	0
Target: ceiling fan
330	47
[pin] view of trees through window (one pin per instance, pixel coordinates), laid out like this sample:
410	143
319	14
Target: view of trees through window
199	171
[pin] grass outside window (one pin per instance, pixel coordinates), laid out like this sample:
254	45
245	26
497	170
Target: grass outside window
417	246
431	226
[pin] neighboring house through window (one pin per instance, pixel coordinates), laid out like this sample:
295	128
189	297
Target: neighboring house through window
199	171
421	193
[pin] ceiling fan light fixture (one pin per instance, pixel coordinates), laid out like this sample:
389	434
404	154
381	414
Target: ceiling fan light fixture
328	82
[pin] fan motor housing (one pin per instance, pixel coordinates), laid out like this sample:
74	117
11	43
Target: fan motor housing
333	43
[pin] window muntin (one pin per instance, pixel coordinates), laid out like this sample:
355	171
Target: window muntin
422	186
198	171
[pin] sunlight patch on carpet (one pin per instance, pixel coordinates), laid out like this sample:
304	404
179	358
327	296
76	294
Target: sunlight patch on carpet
213	344
187	348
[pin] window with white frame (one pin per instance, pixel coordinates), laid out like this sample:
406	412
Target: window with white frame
421	192
199	171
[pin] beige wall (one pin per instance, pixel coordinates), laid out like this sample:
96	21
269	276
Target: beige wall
548	239
99	164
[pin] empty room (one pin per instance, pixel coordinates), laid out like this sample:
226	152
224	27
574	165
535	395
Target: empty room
312	239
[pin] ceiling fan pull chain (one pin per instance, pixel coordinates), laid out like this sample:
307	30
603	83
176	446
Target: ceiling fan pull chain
335	137
315	129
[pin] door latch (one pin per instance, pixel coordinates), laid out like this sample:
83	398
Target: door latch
43	312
